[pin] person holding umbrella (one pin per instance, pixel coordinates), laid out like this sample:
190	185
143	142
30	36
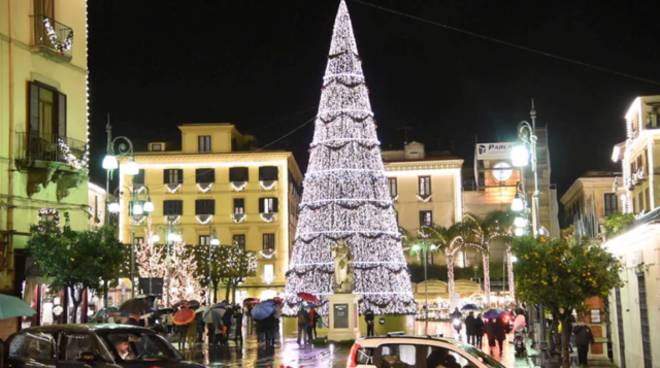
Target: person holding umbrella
303	321
238	316
470	332
478	330
369	319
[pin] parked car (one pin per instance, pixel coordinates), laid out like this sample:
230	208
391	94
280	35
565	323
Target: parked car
416	351
101	345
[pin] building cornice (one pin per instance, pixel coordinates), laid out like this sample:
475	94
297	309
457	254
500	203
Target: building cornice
423	165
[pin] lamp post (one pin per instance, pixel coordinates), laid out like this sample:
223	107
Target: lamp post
116	147
521	156
137	209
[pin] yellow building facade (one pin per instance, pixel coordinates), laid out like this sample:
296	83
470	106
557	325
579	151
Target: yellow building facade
43	126
211	188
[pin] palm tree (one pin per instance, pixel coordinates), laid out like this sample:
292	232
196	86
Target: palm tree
498	225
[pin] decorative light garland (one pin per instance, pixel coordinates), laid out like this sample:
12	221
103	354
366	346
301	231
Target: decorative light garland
237	218
172	189
204	187
203	219
71	159
267	217
346	195
238	186
267	184
64	47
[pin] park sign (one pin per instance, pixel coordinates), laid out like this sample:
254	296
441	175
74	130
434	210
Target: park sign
493	151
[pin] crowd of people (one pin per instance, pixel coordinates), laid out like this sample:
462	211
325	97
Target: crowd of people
308	319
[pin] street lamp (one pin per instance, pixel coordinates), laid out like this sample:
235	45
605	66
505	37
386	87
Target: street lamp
424	247
116	147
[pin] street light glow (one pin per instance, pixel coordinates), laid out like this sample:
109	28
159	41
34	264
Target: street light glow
514	259
148	207
520	156
519	231
155	238
215	242
138	209
110	162
113	207
131	167
520	222
517	205
416	248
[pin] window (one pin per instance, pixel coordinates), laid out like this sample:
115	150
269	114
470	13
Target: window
393	188
619	327
269	273
138	179
156	147
398	355
173	176
77	344
32	346
647	199
424	186
47	109
268	205
238	174
268	245
239	240
611	204
644	320
138	240
204	176
204	207
239	206
268	173
172	207
425	218
204	143
204	240
640	202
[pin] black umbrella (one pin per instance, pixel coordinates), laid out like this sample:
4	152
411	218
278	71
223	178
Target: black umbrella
138	306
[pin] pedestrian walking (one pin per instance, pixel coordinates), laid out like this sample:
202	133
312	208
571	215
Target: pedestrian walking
583	337
369	319
311	325
479	330
500	334
489	326
238	318
303	320
469	329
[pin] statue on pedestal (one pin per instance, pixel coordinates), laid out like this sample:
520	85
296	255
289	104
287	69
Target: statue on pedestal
341	253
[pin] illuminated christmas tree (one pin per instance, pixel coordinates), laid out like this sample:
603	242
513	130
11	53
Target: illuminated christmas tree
346	196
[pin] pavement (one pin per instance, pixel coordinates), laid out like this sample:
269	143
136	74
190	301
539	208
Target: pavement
288	353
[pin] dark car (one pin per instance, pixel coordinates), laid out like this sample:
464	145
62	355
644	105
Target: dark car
102	345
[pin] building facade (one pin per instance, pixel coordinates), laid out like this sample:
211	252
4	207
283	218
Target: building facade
213	188
425	188
634	308
96	198
43	127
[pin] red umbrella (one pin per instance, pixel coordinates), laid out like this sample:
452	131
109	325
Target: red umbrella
183	317
278	300
308	297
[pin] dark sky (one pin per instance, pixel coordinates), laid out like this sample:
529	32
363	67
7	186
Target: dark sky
259	64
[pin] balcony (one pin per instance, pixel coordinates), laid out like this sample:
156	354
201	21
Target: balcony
53	37
50	158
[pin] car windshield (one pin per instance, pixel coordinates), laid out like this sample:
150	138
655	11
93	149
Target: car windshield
140	345
481	356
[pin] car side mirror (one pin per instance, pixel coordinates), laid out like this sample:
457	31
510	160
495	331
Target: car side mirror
87	356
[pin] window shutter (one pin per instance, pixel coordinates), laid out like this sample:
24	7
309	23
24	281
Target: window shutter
139	178
34	108
238	174
261	205
166	174
172	207
205	207
205	176
268	173
275	204
179	177
61	115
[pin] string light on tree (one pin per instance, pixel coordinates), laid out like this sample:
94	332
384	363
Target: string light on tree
346	196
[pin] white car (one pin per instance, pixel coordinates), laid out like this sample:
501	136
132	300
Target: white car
399	351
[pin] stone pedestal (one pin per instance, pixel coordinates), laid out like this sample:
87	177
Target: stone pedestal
343	321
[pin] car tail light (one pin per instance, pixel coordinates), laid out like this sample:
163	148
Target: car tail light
352	356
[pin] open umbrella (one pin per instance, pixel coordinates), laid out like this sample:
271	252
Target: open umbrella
263	310
183	316
308	297
492	313
11	307
470	307
137	306
247	301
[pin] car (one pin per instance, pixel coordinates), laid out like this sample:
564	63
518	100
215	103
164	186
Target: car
400	351
93	345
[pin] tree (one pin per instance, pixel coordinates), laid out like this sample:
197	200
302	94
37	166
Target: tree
209	263
234	265
561	274
346	196
75	261
617	223
498	226
180	277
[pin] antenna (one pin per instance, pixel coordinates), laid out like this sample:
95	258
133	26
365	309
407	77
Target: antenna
532	114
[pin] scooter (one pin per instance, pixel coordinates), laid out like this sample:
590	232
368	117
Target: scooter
519	344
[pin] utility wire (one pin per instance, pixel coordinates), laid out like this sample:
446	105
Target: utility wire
511	44
289	133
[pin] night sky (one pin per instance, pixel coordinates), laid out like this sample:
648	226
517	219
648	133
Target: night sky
259	64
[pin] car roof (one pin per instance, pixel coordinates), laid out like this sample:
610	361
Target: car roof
372	341
82	328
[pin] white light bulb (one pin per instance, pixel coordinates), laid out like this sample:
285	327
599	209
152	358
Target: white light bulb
113	207
215	241
519	231
520	222
110	162
517	205
131	168
148	207
519	156
155	238
137	209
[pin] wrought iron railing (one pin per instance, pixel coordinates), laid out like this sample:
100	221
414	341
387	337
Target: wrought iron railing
37	146
53	36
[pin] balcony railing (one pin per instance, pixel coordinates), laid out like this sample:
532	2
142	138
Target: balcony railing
37	146
52	36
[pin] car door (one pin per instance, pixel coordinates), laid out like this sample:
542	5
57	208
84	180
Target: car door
31	349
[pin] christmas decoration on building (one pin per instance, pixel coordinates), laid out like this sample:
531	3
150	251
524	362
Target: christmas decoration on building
63	46
346	196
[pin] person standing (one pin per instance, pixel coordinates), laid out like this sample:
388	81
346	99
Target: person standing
499	333
583	337
369	319
303	320
238	317
469	329
478	330
311	325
